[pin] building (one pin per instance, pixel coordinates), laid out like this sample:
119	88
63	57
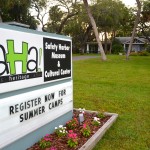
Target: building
92	47
139	43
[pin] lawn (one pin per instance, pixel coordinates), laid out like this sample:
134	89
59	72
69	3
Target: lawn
121	87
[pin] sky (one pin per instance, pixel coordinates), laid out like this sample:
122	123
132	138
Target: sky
129	3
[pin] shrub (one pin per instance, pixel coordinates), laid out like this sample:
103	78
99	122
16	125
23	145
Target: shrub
72	139
148	48
100	115
133	54
60	131
86	131
117	47
96	121
72	123
45	142
143	53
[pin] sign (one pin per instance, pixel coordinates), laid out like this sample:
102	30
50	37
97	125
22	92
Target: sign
57	52
24	113
28	59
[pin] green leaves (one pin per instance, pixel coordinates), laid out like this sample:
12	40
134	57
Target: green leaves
44	144
86	131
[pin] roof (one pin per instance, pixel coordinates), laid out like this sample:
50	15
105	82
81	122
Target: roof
14	23
137	40
94	43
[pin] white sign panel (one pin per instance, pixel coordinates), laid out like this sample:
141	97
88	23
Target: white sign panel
27	112
28	59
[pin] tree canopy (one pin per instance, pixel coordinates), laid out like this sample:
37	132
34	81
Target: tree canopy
17	10
69	17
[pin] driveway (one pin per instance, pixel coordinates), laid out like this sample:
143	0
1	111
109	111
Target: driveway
76	58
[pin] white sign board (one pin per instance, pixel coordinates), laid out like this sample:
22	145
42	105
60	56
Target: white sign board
27	112
28	59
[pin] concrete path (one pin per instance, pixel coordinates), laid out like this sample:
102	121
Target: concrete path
76	58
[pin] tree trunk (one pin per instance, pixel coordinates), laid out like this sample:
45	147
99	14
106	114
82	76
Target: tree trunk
0	17
134	29
112	39
103	56
86	34
105	42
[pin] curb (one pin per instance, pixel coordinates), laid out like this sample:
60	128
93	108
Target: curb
91	143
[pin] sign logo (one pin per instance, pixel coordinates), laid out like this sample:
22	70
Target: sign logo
9	70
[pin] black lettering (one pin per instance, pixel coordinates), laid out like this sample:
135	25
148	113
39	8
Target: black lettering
39	100
53	105
21	118
56	103
35	102
43	109
30	114
52	95
33	61
62	92
61	101
40	110
25	105
35	112
16	108
21	107
11	110
26	116
49	97
50	105
4	62
46	99
28	104
32	102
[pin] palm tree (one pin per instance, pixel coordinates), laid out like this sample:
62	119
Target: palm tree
103	56
134	29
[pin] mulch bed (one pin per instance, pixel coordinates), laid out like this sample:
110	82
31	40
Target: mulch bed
61	143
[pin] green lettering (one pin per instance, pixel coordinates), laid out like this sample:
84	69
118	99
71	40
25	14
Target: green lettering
12	57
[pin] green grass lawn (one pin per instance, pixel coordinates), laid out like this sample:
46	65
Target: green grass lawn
117	86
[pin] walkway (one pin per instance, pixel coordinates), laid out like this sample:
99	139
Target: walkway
76	58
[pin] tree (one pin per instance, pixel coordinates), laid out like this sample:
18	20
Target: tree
134	29
61	13
71	10
40	6
80	29
17	10
144	24
103	56
55	17
109	15
126	23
